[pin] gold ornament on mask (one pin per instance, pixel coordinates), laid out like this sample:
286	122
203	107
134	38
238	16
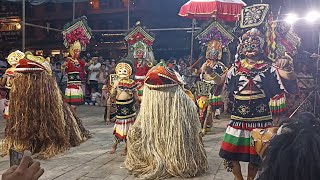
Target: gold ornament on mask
34	63
76	46
14	57
149	63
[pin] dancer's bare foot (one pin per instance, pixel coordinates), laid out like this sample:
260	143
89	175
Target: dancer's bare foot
114	148
124	153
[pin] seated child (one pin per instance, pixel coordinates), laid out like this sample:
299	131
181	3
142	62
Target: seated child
95	98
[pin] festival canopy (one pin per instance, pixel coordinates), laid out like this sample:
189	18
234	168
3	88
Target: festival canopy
225	10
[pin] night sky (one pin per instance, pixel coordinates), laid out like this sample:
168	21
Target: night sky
168	11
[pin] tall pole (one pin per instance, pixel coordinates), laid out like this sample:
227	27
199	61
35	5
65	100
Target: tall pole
129	14
23	25
73	9
192	33
316	92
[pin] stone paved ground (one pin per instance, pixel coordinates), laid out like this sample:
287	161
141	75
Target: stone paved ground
91	160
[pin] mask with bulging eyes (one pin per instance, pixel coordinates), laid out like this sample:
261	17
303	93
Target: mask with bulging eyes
140	54
252	43
213	54
214	50
123	70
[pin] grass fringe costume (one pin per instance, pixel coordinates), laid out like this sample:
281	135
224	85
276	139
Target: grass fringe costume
165	140
39	119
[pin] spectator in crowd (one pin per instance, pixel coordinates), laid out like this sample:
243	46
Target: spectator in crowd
295	153
94	98
3	66
93	72
185	73
101	60
52	62
102	76
113	65
60	77
108	65
169	63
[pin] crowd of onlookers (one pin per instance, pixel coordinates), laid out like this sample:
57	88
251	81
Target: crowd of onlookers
95	76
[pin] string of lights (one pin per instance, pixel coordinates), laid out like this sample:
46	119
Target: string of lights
122	34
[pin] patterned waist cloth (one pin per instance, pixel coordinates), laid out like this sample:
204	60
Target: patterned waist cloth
74	78
125	117
246	115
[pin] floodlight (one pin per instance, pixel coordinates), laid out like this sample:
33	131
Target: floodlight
18	26
291	18
312	16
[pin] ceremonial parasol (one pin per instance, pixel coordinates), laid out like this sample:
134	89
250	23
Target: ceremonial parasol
223	10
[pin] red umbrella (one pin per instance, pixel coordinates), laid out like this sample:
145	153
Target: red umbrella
225	10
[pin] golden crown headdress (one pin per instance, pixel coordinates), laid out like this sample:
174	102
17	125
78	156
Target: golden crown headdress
31	63
14	57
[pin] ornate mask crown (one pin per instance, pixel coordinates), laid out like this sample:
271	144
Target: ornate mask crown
77	31
162	76
139	40
31	63
253	16
123	70
140	50
14	57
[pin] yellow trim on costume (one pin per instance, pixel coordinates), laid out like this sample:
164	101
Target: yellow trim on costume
262	118
128	116
127	102
251	97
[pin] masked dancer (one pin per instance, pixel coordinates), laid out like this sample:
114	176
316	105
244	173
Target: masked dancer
214	38
166	140
39	119
76	36
252	81
124	93
140	47
13	58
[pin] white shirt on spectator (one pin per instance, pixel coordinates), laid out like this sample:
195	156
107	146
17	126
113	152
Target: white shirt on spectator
95	95
94	68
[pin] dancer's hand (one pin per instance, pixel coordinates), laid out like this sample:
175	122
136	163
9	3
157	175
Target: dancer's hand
28	169
108	121
203	132
285	63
